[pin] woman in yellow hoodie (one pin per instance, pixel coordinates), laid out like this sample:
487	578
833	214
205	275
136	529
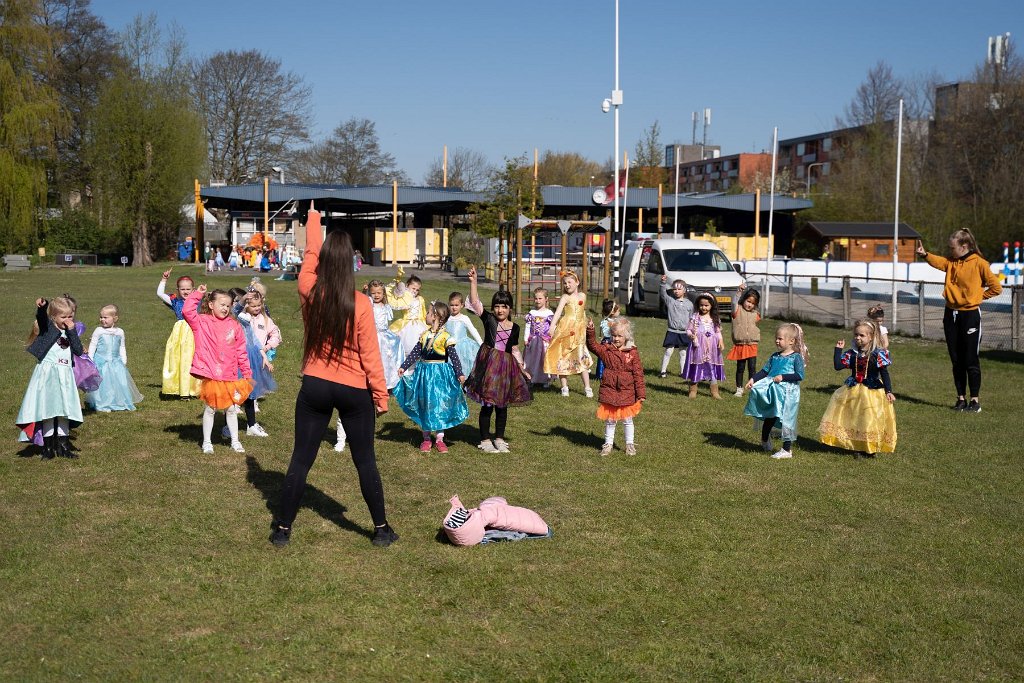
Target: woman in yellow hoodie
969	281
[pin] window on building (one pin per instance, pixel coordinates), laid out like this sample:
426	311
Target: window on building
826	145
881	250
800	149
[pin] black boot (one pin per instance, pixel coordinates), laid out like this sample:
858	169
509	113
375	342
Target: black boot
48	449
64	447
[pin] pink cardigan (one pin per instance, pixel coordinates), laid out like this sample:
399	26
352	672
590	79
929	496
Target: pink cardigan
220	344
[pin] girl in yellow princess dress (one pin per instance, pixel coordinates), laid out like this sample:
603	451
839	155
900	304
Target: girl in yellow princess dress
567	353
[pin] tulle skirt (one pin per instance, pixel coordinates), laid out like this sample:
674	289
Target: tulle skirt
497	380
410	334
391	355
181	345
859	419
262	378
768	399
118	390
606	411
221	394
742	352
533	357
432	397
51	393
467	348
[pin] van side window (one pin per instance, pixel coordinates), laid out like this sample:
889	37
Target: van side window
654	264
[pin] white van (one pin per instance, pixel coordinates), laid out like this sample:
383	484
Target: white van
701	264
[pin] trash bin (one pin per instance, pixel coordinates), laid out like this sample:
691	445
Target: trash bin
376	256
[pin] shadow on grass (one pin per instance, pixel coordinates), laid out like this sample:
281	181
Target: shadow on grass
1002	356
753	444
193	433
574	436
679	388
269	484
905	398
408	433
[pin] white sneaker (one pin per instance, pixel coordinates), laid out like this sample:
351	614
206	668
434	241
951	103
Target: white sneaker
767	446
225	432
606	449
340	446
256	430
782	454
501	445
589	392
237	447
565	391
487	447
208	448
739	391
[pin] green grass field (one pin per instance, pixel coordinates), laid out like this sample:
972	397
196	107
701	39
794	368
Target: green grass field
698	559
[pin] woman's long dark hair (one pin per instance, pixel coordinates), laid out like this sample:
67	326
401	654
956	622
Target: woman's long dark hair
331	307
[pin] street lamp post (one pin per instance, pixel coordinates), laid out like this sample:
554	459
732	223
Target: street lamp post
280	171
615	101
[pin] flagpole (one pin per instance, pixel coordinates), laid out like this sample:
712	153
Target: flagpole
625	196
896	221
771	218
675	217
616	101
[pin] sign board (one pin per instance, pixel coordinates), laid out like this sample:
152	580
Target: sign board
124	260
67	258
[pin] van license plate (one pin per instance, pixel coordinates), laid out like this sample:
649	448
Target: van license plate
724	300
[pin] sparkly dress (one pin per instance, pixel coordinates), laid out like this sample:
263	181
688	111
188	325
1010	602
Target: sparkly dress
704	362
497	379
567	353
431	394
391	352
538	336
858	416
780	400
118	390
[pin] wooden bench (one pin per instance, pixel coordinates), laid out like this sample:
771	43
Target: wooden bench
17	262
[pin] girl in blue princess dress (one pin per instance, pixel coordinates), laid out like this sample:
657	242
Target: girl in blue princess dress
775	390
51	407
467	339
432	394
117	391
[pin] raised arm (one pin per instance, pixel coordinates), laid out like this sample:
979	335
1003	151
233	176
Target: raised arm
474	304
558	311
310	257
161	289
190	312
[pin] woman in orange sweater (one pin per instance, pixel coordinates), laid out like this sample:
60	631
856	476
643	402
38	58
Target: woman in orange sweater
969	281
341	371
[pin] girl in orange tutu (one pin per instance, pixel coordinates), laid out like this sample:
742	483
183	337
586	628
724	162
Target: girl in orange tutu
622	387
220	360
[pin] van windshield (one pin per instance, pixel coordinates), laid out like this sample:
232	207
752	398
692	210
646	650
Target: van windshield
708	260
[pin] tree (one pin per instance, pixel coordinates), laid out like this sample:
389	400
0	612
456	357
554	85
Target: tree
877	98
30	116
85	56
146	141
512	192
467	169
650	159
254	113
569	169
351	156
762	180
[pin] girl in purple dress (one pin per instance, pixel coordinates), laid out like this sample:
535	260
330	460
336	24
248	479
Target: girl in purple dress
538	335
704	362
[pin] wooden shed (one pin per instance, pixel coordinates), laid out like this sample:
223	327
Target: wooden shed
862	242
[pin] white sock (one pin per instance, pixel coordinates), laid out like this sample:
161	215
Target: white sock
628	429
666	358
63	426
208	416
682	361
440	436
609	431
232	415
341	432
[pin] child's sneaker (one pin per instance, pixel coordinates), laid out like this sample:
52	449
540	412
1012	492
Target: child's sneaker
565	391
767	446
606	449
662	375
208	448
442	447
589	392
630	449
237	447
425	446
501	445
782	454
739	391
256	430
487	447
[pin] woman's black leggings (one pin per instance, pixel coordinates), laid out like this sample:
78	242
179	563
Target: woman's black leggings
500	419
750	364
963	341
316	402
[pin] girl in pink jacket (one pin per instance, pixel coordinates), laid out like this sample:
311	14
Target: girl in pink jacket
220	360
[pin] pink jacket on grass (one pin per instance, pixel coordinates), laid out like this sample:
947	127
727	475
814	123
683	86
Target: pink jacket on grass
220	344
493	513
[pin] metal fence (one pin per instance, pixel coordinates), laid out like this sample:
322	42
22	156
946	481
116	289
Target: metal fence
919	305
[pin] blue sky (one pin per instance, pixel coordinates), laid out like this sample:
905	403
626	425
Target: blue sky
505	78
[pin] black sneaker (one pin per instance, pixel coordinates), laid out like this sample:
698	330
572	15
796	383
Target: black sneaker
383	536
973	407
279	535
960	405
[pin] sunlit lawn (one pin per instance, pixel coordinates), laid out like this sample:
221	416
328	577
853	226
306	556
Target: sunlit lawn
698	559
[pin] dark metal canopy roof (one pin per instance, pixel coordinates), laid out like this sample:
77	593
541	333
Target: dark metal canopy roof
566	200
340	198
832	229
